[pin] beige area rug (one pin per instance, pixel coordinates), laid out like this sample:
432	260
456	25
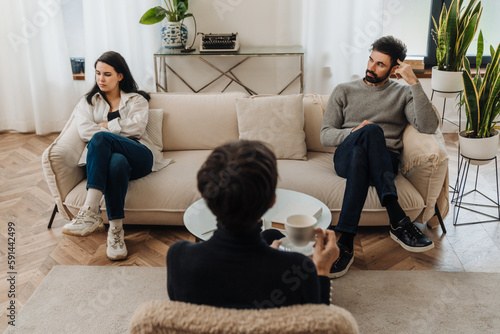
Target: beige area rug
83	299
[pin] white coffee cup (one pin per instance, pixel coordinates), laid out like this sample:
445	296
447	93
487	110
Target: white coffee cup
300	229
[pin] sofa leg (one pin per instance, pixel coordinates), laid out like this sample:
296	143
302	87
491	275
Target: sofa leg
52	216
438	214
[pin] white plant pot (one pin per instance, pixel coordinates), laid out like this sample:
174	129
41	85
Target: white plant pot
446	83
479	148
173	35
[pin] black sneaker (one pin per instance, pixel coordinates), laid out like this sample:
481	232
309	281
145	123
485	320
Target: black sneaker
410	237
343	263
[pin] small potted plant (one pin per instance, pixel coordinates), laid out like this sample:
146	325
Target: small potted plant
453	35
482	105
173	32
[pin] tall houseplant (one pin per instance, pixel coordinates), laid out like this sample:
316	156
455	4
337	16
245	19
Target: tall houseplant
453	34
173	33
482	101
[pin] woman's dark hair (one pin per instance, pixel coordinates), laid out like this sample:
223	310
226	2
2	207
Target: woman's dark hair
127	84
392	47
238	182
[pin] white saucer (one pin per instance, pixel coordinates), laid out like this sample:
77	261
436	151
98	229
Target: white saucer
287	246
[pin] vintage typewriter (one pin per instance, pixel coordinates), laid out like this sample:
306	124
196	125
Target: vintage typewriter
219	42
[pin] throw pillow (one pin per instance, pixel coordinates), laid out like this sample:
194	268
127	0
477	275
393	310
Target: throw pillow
154	127
275	120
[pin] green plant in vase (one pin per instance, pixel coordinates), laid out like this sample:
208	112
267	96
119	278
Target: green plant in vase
173	33
174	11
482	94
454	33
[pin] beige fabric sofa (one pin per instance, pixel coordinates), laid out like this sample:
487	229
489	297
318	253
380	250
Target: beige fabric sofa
163	316
194	124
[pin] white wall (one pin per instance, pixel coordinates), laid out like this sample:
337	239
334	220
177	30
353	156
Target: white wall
258	23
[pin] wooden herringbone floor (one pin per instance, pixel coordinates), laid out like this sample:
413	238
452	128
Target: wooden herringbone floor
25	200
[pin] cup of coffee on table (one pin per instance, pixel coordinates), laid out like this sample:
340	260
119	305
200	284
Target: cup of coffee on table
300	229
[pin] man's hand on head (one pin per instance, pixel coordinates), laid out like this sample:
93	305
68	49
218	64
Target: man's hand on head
404	71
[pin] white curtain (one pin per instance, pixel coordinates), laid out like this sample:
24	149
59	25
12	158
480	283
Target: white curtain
36	83
337	36
113	25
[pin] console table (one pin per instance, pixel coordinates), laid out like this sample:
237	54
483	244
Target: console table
163	70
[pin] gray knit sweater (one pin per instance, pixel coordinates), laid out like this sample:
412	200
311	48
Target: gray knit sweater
392	106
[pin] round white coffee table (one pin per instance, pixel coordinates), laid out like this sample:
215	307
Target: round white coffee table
201	222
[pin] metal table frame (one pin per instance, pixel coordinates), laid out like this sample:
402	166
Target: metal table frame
162	67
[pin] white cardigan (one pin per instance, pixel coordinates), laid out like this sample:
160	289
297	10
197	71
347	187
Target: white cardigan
131	123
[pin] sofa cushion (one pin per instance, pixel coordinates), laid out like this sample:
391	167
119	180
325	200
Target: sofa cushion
317	177
154	127
275	120
314	109
163	196
170	190
197	121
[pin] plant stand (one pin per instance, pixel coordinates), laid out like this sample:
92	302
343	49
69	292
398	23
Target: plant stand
459	194
453	189
444	107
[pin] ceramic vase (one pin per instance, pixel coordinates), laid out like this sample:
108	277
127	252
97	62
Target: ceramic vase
479	148
173	35
446	83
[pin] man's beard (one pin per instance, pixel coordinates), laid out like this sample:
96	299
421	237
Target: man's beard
375	79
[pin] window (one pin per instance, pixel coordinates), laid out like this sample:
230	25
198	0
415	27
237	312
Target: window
73	26
490	32
407	20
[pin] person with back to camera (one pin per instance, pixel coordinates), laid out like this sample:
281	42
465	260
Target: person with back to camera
365	119
236	268
112	118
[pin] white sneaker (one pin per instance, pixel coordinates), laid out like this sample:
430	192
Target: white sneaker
84	223
117	250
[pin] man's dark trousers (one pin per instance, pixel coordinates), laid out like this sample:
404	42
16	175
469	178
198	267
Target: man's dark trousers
364	160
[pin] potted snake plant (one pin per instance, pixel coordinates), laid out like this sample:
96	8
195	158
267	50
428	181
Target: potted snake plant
173	33
453	34
482	105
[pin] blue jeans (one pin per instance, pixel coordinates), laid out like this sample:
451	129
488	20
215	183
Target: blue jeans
113	160
364	160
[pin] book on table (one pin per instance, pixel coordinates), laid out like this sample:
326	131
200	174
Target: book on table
295	208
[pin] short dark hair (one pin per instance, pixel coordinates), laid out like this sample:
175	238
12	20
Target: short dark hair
238	182
392	47
127	84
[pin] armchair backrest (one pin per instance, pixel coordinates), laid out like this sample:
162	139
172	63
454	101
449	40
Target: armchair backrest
163	316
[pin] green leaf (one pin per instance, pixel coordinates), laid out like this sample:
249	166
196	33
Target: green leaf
464	41
153	15
480	50
492	91
466	65
451	34
471	102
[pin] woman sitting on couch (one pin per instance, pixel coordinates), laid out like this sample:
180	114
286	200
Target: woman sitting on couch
112	118
236	268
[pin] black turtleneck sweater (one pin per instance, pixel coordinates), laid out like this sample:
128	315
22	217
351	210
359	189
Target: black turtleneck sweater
242	272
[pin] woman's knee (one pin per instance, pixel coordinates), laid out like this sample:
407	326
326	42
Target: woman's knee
118	165
99	138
